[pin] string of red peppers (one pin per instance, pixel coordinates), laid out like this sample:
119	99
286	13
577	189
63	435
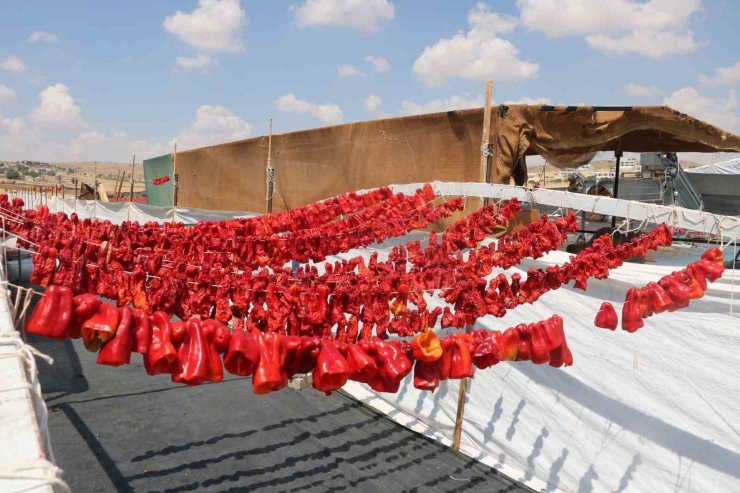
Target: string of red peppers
670	293
161	181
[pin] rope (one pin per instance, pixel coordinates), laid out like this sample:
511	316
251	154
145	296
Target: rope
402	139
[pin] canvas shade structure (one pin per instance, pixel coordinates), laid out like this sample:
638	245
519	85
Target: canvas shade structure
315	164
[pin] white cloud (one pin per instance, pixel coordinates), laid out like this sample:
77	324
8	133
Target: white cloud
373	102
213	26
329	114
379	62
213	125
478	54
57	108
358	14
114	147
349	71
199	61
530	101
654	29
461	102
722	76
43	36
719	112
640	91
11	126
7	95
12	64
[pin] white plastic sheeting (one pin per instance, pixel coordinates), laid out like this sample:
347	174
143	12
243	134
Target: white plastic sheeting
652	411
117	212
731	167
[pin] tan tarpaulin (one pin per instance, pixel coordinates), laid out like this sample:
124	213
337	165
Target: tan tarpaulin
315	164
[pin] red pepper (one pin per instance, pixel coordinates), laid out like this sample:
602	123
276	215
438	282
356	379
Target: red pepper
711	271
643	302
100	327
554	333
607	317
52	316
426	375
117	351
362	367
143	332
685	278
243	354
85	306
714	255
162	354
489	349
525	342
510	340
178	332
631	316
331	371
426	347
561	357
538	341
659	299
457	356
215	337
301	354
393	365
698	276
678	293
192	365
268	376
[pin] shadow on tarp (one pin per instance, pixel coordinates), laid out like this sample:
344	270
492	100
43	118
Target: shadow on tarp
681	442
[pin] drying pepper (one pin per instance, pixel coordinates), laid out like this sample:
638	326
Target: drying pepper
178	330
711	270
554	333
678	293
698	276
561	357
659	299
510	340
331	371
117	351
606	318
301	354
643	302
243	354
426	375
192	365
162	354
489	349
100	327
268	376
52	316
631	316
525	343
714	255
84	307
393	365
215	337
684	277
362	367
538	342
142	331
426	347
457	360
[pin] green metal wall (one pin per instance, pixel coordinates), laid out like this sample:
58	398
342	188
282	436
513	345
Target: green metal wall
159	195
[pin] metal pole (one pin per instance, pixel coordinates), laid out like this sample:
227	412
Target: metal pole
270	172
618	155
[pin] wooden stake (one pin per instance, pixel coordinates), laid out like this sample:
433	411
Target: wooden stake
131	193
174	182
486	159
95	193
271	182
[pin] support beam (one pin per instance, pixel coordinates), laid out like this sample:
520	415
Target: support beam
618	155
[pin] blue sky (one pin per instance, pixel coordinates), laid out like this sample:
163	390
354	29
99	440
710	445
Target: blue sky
99	80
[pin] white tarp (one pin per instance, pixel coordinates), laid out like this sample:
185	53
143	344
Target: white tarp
731	167
652	411
117	212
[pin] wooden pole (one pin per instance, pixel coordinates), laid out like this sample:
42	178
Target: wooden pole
95	193
174	182
131	192
270	172
486	159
